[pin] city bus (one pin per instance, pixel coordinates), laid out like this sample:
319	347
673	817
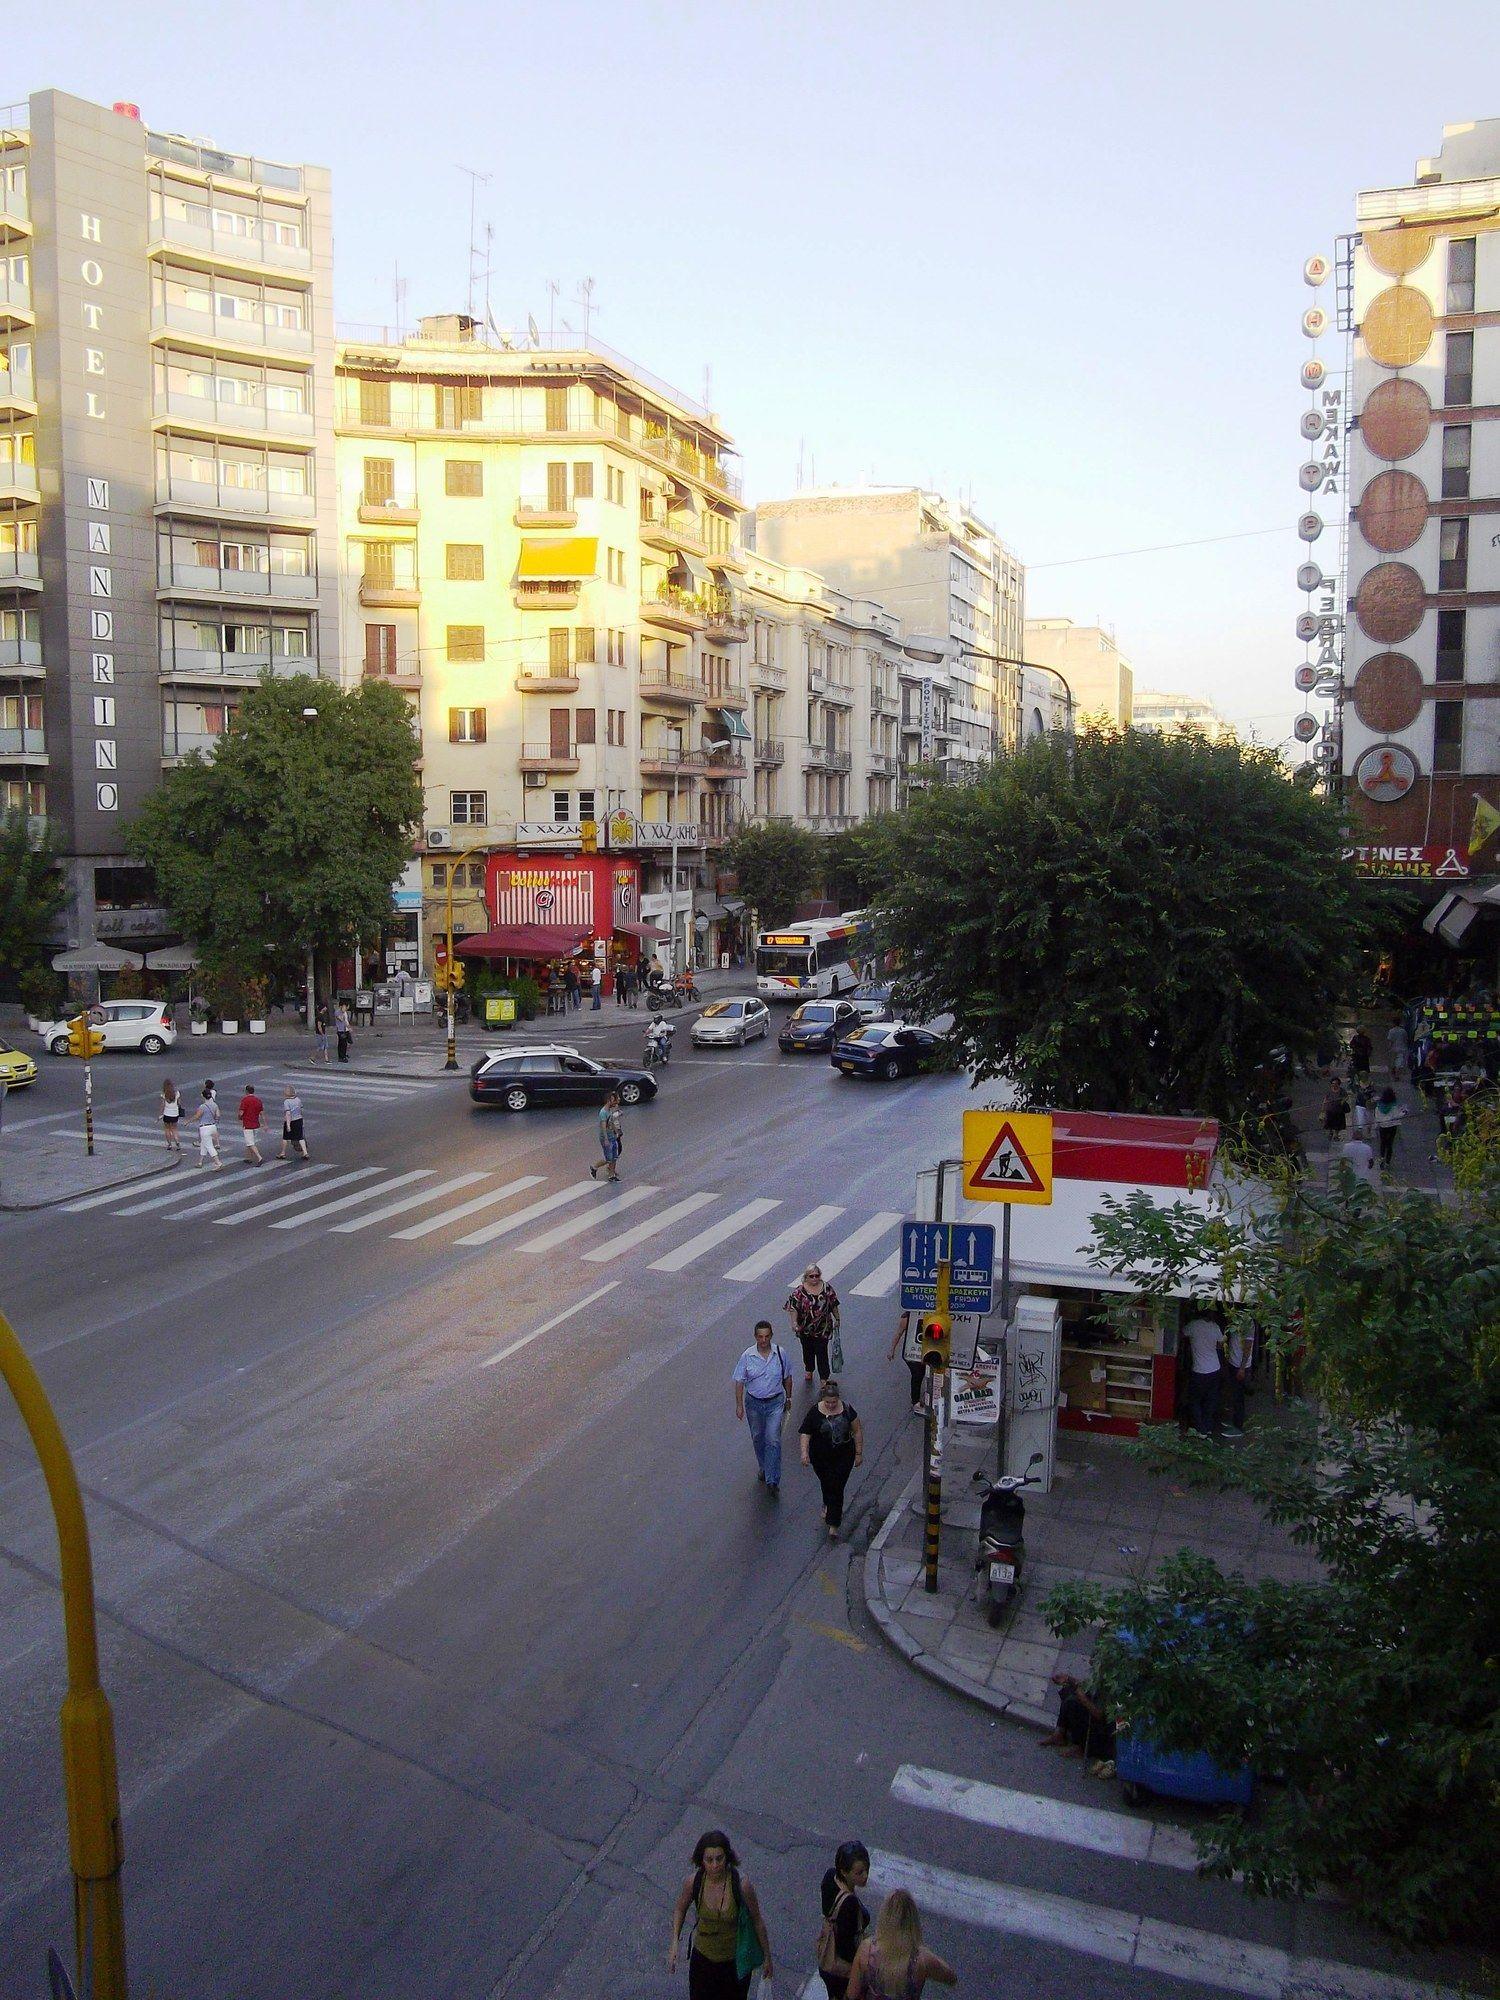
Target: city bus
813	960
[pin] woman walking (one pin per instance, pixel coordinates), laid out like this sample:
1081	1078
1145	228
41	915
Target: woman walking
611	1137
1389	1112
729	1931
833	1443
171	1116
895	1964
1335	1113
846	1921
344	1029
814	1309
292	1141
206	1118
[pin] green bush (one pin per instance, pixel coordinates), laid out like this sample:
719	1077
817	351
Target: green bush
41	992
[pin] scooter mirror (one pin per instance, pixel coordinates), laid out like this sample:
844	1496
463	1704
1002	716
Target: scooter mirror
1035	1459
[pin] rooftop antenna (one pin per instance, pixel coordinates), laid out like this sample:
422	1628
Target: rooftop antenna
552	290
489	266
708	385
475	177
398	289
801	446
586	300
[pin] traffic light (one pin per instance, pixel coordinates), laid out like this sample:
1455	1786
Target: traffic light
82	1039
588	836
440	976
935	1340
456	973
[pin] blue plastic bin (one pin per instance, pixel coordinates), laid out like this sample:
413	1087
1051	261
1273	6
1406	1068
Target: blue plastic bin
1180	1774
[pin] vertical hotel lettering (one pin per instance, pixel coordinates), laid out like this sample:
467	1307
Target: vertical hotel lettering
100	533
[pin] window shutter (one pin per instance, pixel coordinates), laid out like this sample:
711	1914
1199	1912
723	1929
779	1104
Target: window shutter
380	649
478	724
463	478
557	486
455	725
557	650
375	403
380	564
380	481
584	726
465	642
465	562
583	480
584	648
557	410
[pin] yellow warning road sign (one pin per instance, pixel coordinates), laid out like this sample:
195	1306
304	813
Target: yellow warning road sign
1008	1156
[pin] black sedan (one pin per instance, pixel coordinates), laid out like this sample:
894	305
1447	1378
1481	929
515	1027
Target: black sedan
519	1078
815	1026
886	1049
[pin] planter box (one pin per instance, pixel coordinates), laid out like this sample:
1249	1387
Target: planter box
198	1027
229	1027
257	1027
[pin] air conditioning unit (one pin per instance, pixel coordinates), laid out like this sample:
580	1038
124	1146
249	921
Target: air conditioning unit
439	836
533	781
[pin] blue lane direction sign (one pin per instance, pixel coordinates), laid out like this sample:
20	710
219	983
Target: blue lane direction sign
968	1248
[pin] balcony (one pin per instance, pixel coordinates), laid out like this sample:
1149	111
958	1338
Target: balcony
401	512
17	393
22	567
543	757
228	329
826	689
765	675
685	457
545	517
667	759
15	302
550	594
406	673
661	684
661	530
249	502
541	680
21	656
882	702
770	751
203	663
257	248
830	822
18	483
268	585
206	413
681	610
15	211
727	624
23	746
726	764
817	757
389	594
186	743
731	695
884	764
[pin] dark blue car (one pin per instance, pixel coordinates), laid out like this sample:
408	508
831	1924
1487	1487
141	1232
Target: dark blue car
885	1049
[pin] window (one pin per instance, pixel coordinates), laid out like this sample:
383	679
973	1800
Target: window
380	564
614	725
463	478
560	804
558	660
1458	370
465	642
583	480
466	725
380	650
614	646
1448	736
614	484
380	481
587	808
615	565
1453	555
375	404
584	647
468	808
1458	446
557	487
465	562
439	874
1461	275
1450	645
459	404
583	726
556	417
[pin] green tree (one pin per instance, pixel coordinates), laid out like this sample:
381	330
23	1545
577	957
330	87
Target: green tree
856	865
1130	922
1369	1694
32	896
288	839
777	865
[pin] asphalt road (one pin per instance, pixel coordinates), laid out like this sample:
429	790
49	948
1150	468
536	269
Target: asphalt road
441	1608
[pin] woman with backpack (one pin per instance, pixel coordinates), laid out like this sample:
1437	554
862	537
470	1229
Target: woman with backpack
895	1964
730	1943
846	1921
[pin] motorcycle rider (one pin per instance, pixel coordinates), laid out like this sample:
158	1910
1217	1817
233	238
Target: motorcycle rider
659	1035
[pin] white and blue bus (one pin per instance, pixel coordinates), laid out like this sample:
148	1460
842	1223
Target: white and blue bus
813	960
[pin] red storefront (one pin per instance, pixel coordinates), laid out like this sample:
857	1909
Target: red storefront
550	906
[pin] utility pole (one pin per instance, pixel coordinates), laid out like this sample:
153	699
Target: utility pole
937	1335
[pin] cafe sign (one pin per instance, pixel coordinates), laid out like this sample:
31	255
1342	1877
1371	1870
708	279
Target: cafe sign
1422	864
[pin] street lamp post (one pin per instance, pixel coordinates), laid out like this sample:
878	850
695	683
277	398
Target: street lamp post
1037	666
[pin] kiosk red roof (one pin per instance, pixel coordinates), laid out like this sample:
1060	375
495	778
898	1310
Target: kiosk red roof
529	941
1125	1146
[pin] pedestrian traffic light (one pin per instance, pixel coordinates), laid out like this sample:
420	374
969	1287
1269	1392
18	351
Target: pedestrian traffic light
935	1340
456	973
588	836
82	1039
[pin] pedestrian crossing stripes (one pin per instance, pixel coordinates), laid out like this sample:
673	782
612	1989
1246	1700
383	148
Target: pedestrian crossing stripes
760	1261
467	1208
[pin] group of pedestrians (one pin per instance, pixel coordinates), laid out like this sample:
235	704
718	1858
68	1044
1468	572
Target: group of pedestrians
1362	1123
729	1942
251	1112
1219	1369
343	1032
831	1438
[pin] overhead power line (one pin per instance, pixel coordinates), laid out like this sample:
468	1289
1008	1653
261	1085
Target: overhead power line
1160	548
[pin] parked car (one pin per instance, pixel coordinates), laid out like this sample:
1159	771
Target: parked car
886	1049
17	1069
815	1026
731	1021
554	1074
872	1001
146	1025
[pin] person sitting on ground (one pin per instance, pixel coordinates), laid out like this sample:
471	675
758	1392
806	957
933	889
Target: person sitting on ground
1083	1729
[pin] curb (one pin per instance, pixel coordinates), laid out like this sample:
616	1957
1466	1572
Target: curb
78	1194
374	1075
898	1636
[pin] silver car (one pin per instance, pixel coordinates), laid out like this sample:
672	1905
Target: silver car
731	1022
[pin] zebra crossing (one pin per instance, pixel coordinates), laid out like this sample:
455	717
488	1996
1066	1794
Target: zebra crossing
536	1215
326	1100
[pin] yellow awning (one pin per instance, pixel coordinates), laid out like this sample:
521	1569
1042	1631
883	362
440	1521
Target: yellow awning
575	556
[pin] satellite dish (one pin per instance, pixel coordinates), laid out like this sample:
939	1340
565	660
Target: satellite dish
1305	728
1312	373
1310	476
1312	425
1307	626
1310	577
1315	271
1314	322
1310	526
1305	679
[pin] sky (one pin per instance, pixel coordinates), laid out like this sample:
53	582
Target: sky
1049	258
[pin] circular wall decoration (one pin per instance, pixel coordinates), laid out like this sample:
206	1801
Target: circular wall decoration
1312	373
1309	526
1388	692
1397	329
1396	419
1393	511
1312	425
1398	252
1307	626
1310	476
1385	773
1315	271
1305	679
1310	577
1305	728
1314	322
1388	603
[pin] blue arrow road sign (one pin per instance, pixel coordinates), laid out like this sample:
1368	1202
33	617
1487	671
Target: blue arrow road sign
968	1248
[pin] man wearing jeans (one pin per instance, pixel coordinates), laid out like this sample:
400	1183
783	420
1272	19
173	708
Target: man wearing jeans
763	1399
1204	1339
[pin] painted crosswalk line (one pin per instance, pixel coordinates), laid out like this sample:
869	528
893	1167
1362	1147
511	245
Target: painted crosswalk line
465	1209
770	1255
881	1280
260	1208
716	1233
563	1232
1126	1836
1144	1944
831	1262
509	1223
348	1201
655	1225
420	1199
190	1189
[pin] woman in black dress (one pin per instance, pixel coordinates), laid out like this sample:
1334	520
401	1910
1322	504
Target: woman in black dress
833	1443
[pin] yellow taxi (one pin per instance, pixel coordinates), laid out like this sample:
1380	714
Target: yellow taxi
16	1067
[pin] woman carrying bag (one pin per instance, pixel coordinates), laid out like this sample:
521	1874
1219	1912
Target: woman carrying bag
845	1918
730	1941
814	1309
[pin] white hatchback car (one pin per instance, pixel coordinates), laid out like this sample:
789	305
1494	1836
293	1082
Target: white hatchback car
731	1021
146	1025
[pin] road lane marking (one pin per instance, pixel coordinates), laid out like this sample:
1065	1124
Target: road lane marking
557	1320
352	1200
730	1225
1126	1937
831	1262
538	1246
467	1208
192	1187
1045	1819
287	1200
644	1231
524	1215
838	1632
881	1279
406	1202
768	1257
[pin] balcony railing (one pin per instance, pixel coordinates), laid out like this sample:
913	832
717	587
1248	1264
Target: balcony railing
210	160
21	656
726	764
818	757
17	388
404	672
15	300
21	566
685	457
183	742
826	688
672	531
668	757
730	695
770	750
542	680
661	684
884	764
883	702
399	511
300	589
545	517
23	743
390	593
257	246
544	757
830	822
177	491
553	594
767	675
18	482
232	330
209	413
725	618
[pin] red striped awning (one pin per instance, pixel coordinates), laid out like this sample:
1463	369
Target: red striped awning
531	941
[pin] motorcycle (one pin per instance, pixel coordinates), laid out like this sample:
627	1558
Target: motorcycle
1002	1541
658	1049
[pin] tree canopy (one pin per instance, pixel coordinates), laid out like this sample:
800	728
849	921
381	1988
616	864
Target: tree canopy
1369	1695
32	894
289	837
777	865
1128	922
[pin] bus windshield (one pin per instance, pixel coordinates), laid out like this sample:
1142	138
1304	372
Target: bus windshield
780	959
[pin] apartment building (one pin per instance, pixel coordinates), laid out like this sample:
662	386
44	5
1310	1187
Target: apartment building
1422	643
539	545
1099	677
941	570
166	467
1159	709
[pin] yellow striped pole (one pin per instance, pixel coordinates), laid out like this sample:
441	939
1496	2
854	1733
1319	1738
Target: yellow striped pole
935	1415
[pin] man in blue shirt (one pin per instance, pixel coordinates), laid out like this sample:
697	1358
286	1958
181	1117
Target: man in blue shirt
763	1399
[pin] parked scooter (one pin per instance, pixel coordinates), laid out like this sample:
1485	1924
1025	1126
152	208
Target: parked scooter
1002	1536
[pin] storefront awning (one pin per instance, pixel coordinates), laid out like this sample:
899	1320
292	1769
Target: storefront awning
575	556
647	933
98	958
734	723
708	906
735	905
173	958
530	941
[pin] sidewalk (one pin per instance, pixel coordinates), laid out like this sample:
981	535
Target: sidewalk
38	1172
1105	1520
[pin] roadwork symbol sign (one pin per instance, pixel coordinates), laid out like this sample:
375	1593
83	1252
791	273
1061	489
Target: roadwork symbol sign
1008	1156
